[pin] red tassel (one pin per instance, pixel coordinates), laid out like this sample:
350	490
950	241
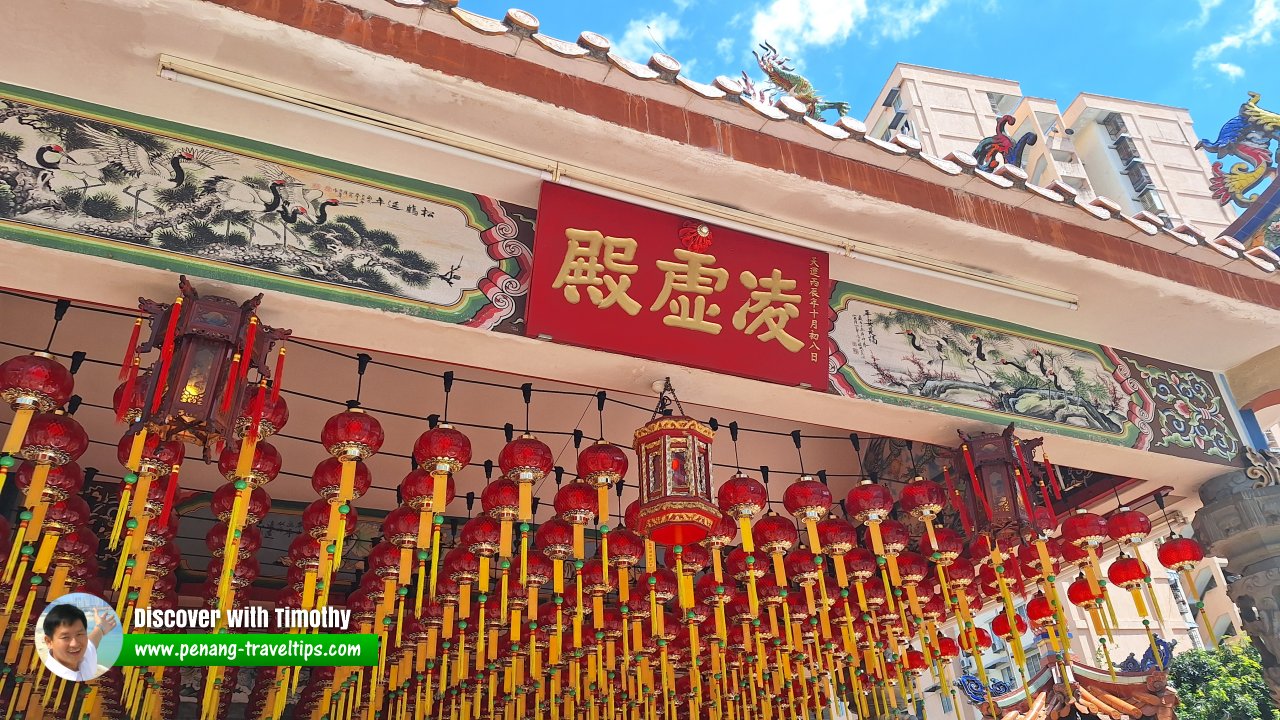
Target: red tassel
131	379
1052	478
169	494
166	354
977	488
233	381
255	412
957	502
1048	505
1024	479
131	351
246	355
275	382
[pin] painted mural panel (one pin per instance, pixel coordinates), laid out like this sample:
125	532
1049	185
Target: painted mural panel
893	349
71	171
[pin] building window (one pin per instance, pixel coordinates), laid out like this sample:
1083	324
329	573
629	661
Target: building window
1139	178
1150	200
1114	123
1127	150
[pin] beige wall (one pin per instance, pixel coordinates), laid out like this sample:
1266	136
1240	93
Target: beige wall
949	111
1165	140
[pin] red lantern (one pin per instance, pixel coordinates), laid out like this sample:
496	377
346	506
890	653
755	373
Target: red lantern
315	519
576	503
269	409
264	468
416	491
526	460
31	383
326	479
352	434
808	500
981	638
742	497
602	465
1040	611
1000	626
1127	572
870	503
1087	531
1128	527
53	439
62	481
947	649
442	449
1180	554
1081	595
224	501
250	540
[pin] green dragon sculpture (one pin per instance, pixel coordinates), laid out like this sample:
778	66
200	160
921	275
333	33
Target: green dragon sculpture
786	80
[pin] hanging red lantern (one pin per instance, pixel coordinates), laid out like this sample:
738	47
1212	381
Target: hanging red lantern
1180	554
742	497
981	640
29	384
577	504
602	465
947	649
1087	531
263	469
216	539
1128	527
808	500
1001	627
837	537
870	503
526	460
923	500
775	536
224	499
61	481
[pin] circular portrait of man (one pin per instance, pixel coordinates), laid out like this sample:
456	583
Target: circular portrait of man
78	636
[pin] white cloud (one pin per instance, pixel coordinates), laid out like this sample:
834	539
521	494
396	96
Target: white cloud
1263	20
1206	7
637	41
682	5
901	20
791	25
1235	72
724	48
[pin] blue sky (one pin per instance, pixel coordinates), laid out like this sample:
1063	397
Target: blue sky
1199	54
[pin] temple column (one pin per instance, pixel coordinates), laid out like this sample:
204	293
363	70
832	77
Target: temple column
1240	521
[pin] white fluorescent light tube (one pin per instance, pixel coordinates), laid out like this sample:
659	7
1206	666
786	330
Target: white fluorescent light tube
294	100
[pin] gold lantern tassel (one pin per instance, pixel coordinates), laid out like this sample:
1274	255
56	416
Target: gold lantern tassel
579	539
814	543
779	570
18	429
1106	652
35	499
526	501
15	551
1091	571
1155	604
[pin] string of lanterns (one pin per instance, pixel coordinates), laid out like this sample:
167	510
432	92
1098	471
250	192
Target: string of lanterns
805	613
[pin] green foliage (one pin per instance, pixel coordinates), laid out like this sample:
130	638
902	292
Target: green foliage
71	198
105	206
1222	684
10	143
178	195
8	203
114	174
256	182
367	276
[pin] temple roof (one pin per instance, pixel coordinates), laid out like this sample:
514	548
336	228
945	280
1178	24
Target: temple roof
799	144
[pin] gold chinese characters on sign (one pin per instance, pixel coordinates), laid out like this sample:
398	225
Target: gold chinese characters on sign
603	265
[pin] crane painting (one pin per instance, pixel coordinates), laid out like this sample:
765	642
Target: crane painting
896	350
82	175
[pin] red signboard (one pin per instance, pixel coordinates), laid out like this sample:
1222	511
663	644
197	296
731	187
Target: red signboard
627	279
